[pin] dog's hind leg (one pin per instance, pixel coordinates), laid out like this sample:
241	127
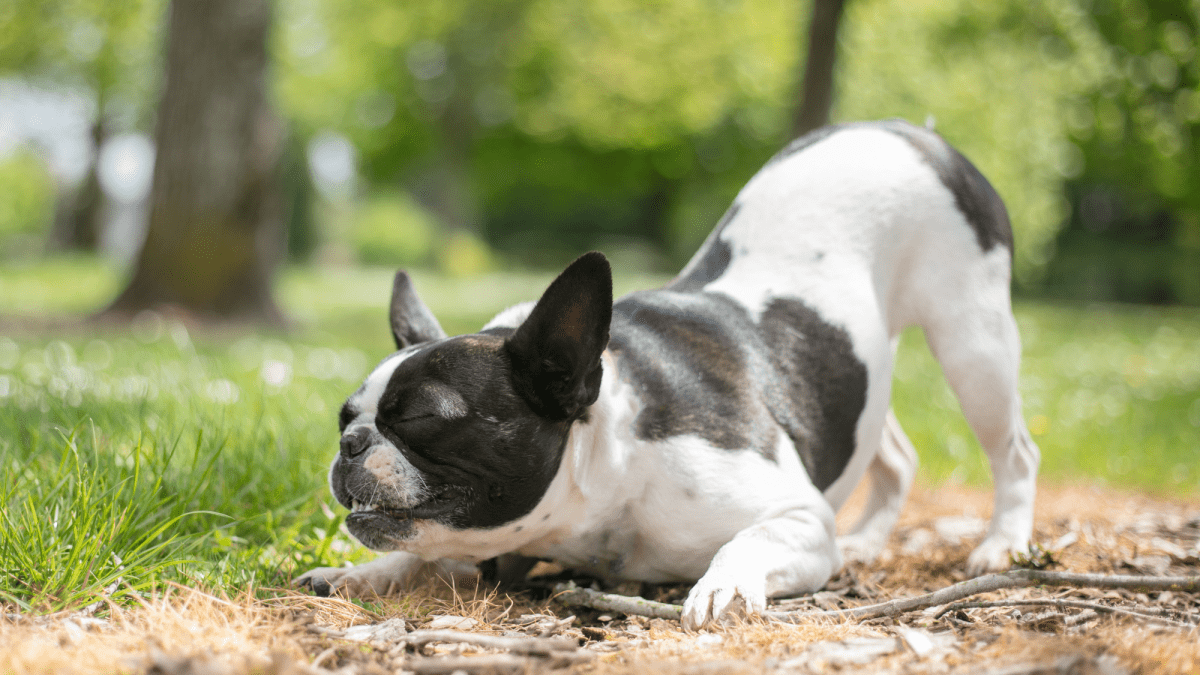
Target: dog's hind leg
974	337
892	473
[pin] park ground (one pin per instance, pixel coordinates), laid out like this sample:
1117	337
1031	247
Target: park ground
186	631
160	484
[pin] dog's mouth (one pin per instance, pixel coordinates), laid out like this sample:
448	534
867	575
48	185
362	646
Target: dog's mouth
440	503
386	528
422	511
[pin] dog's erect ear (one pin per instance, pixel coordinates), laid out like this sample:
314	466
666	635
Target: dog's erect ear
412	322
556	352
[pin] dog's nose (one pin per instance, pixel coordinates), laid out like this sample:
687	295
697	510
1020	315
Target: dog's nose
354	444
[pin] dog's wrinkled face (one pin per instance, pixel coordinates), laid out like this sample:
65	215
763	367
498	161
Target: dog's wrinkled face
469	431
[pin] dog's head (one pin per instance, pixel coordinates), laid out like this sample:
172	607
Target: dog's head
469	431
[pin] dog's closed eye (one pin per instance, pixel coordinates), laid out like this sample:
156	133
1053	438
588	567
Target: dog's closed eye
438	400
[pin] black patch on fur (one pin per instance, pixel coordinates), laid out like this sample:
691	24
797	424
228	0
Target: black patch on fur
684	352
702	367
486	468
345	416
826	387
973	194
712	259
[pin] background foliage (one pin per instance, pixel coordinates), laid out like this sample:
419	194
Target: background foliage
538	128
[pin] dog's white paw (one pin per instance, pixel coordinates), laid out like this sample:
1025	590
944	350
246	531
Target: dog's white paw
718	598
861	548
378	577
993	555
351	582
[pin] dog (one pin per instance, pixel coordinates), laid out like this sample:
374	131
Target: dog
709	430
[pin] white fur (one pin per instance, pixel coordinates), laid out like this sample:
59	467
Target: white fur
861	230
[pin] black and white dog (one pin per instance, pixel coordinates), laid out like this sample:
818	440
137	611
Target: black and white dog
707	430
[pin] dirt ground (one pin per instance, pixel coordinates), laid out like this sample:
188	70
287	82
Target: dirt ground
1082	529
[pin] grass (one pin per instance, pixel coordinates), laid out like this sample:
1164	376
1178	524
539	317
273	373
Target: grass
131	459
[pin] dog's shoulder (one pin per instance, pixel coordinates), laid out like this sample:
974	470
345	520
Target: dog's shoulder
702	366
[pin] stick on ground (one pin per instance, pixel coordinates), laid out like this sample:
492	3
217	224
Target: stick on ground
542	646
1060	603
1001	581
570	594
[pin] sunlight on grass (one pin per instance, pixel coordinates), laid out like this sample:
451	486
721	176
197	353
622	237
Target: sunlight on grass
133	457
1111	393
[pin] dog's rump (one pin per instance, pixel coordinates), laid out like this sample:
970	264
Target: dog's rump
871	227
881	197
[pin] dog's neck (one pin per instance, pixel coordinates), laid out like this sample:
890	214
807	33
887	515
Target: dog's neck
593	476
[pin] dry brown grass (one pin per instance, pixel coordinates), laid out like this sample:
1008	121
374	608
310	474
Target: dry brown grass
188	631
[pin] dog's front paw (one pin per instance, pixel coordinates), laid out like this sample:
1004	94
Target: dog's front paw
718	598
378	577
349	582
322	581
993	555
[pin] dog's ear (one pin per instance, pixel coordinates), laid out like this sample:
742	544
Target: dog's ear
556	352
412	322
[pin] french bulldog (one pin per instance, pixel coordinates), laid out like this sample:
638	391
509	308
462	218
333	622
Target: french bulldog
708	430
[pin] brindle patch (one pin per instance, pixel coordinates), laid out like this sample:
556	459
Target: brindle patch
702	367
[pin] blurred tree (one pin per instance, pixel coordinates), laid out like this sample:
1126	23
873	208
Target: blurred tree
816	97
576	123
213	234
569	124
1134	231
1137	127
105	47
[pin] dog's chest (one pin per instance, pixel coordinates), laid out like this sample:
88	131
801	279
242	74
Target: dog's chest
659	510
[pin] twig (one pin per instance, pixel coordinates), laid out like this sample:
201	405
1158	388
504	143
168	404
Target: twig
322	630
541	646
570	594
489	663
1081	618
997	582
557	627
1063	602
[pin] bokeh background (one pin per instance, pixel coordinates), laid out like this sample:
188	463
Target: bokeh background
468	136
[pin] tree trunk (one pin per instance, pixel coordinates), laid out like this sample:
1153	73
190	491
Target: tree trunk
214	230
80	220
817	95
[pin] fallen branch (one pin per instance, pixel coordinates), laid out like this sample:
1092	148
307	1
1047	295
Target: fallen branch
540	646
1066	603
570	594
1001	581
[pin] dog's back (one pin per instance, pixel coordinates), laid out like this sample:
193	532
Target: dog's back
846	237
